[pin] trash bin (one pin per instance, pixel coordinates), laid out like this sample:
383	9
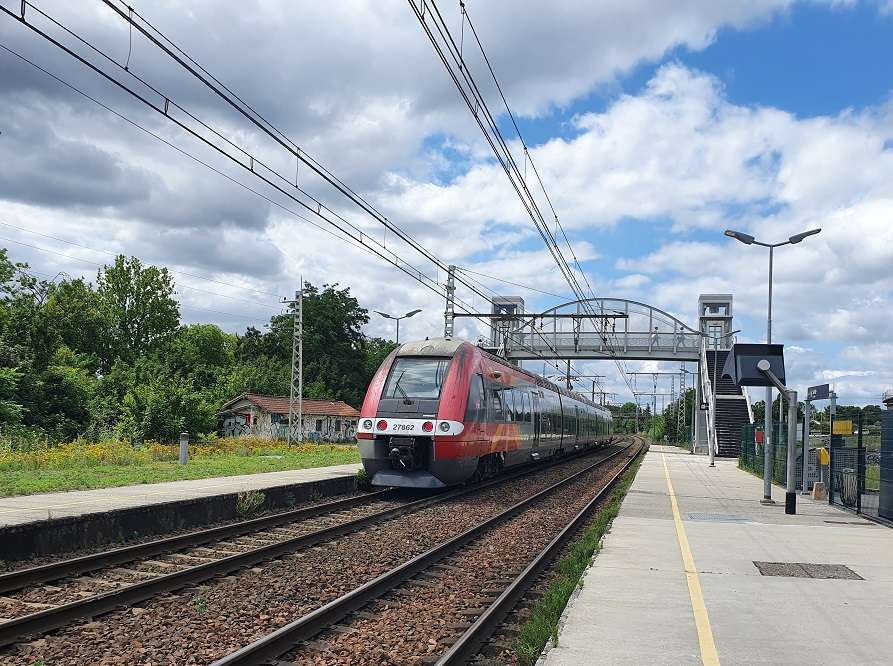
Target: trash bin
848	486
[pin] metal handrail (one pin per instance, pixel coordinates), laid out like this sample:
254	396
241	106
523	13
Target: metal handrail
747	401
708	390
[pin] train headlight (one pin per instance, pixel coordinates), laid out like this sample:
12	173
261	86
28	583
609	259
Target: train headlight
444	426
427	426
367	424
382	425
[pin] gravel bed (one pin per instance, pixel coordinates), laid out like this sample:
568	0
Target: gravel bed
73	589
500	648
99	548
422	617
201	625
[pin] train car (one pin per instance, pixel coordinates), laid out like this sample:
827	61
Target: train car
442	412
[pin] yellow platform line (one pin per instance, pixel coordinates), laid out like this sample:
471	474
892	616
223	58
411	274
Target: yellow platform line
709	655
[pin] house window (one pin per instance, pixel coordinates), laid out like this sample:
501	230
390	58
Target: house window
318	425
337	425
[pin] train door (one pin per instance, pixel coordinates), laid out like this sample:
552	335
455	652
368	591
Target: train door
476	414
535	408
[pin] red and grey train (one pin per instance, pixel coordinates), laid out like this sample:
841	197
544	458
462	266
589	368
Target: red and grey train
441	412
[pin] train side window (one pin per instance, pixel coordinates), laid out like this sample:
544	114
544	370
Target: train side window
508	395
497	412
476	411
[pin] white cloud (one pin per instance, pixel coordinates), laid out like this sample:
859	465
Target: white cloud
357	85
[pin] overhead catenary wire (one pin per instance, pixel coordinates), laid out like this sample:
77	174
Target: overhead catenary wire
485	120
244	159
210	167
172	271
514	284
227	95
359	239
100	265
387	255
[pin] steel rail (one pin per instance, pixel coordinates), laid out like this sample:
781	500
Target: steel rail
16	580
58	616
282	640
470	642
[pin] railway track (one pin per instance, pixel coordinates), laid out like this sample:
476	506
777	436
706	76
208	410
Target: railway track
444	604
39	599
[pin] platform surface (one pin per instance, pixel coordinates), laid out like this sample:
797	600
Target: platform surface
32	508
636	607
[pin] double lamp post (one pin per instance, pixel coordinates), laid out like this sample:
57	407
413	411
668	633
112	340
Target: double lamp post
768	450
397	319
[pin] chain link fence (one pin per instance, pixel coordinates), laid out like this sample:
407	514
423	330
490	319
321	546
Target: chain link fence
751	456
861	465
862	470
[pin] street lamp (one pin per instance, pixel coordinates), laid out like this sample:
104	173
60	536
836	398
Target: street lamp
397	319
768	450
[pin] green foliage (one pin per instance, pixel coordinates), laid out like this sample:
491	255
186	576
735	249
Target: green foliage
364	482
111	360
36	466
542	623
201	604
140	306
249	502
667	423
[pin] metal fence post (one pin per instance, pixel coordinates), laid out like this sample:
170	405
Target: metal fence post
184	447
790	498
806	416
860	467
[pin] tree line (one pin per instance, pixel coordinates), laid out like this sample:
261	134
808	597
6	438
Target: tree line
112	359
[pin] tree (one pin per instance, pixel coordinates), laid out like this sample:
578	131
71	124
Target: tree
671	417
112	360
140	306
10	410
335	365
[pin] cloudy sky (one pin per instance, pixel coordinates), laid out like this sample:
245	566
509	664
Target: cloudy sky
655	125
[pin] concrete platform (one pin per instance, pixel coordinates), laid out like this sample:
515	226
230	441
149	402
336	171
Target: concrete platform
46	523
641	604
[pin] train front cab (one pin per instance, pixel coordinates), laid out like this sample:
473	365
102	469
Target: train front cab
416	398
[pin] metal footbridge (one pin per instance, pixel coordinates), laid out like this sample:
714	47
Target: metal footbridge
621	329
597	328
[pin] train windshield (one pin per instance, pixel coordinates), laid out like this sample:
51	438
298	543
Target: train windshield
416	378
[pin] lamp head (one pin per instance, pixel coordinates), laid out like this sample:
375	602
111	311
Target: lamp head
796	238
384	314
411	313
747	239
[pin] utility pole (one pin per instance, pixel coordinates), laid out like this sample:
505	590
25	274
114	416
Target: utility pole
450	311
654	401
296	410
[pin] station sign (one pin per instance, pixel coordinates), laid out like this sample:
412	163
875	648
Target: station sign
843	427
820	392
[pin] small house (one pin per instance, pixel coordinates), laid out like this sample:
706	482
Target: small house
267	416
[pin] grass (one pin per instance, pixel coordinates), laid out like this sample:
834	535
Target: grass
83	465
873	477
546	613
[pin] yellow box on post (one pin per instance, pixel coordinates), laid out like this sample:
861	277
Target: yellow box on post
843	427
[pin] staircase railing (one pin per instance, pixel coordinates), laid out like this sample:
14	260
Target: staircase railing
709	398
749	406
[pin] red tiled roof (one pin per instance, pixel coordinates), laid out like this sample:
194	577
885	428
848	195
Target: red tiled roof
278	404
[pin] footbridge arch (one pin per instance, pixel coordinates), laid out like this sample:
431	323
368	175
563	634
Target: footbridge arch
596	328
